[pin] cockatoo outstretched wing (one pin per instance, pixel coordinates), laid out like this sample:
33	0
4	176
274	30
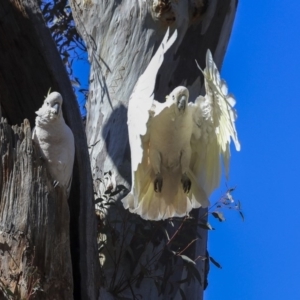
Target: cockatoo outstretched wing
141	107
214	126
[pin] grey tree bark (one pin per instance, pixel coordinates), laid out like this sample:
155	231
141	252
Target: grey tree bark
35	260
29	217
121	37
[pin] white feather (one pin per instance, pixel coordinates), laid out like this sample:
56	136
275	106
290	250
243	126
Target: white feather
55	140
173	141
218	121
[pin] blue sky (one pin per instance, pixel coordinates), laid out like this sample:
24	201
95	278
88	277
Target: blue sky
260	256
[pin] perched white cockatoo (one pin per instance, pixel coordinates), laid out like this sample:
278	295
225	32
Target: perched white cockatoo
176	146
55	140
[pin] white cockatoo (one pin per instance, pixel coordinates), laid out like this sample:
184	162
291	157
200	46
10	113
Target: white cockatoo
176	146
55	140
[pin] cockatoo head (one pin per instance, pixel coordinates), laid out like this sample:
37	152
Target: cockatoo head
180	97
51	109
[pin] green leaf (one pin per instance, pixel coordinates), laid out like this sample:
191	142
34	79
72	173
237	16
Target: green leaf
187	259
110	203
75	83
130	252
215	262
158	287
205	226
231	189
119	189
183	297
166	233
229	197
242	215
183	280
239	205
218	215
196	273
171	288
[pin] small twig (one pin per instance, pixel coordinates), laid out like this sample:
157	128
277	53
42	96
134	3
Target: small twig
200	257
176	232
130	287
187	246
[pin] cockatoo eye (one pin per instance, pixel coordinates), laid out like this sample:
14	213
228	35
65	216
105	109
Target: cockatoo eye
181	103
173	97
47	103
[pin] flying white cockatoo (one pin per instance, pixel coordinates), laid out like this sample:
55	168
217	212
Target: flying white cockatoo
176	146
55	140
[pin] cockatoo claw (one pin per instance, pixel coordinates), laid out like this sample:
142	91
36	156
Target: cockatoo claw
186	183
158	182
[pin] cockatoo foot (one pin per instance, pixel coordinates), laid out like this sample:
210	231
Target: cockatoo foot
158	182
186	183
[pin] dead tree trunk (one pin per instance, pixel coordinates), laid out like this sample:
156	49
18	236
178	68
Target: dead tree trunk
121	37
35	261
30	64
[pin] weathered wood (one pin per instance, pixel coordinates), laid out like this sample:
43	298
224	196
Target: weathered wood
35	260
121	37
30	64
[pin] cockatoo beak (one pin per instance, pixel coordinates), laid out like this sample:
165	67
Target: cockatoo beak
56	107
181	103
